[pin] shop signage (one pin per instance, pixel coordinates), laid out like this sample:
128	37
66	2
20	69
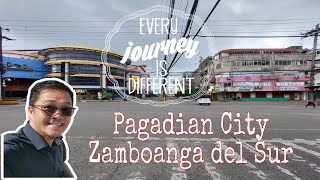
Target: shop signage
242	84
288	88
245	88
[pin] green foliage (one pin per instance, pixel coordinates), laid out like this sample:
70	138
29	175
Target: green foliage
193	90
107	95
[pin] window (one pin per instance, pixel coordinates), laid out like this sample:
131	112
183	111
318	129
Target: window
85	81
259	62
301	62
55	68
267	62
227	84
244	63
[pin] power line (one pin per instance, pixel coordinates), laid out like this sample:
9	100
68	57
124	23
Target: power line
217	20
214	7
104	32
282	36
188	27
126	25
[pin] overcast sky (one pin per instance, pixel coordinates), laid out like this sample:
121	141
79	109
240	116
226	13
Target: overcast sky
39	24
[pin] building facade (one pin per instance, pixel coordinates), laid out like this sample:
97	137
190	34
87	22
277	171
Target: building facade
138	83
263	74
201	72
82	67
22	68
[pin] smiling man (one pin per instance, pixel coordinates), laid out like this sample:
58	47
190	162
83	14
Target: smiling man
38	148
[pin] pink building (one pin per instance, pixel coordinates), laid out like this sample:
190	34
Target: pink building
263	73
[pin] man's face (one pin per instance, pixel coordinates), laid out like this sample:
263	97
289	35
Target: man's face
50	127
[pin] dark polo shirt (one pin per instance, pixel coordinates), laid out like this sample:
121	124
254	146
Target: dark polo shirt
27	154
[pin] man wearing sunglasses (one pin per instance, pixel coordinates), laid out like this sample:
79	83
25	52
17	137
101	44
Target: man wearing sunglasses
38	148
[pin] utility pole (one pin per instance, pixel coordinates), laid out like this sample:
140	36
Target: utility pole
313	32
1	63
1	67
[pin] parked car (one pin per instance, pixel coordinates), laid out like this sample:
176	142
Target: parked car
204	99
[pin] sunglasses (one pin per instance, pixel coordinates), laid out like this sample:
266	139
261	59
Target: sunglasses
50	110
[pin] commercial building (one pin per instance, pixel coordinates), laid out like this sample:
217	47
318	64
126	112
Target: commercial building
82	67
201	72
262	74
22	68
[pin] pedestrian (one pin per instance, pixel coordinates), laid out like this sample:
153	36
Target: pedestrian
100	96
38	147
311	103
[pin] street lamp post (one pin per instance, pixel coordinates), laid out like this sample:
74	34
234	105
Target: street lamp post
4	85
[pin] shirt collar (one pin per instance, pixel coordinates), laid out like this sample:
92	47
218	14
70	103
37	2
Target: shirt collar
37	140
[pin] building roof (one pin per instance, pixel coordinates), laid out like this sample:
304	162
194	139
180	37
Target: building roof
32	54
76	48
292	49
136	68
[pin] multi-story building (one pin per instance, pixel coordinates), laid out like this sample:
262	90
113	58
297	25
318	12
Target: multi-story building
263	74
22	68
82	67
201	72
79	66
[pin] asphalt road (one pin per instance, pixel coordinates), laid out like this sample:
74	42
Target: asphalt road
290	125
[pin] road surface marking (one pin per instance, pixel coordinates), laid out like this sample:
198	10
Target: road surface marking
254	170
177	173
288	172
251	149
294	146
208	166
135	176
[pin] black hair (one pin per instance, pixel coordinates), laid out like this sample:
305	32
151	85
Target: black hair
49	84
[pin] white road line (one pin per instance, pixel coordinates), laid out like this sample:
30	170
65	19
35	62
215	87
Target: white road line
294	146
278	129
288	172
208	166
135	176
251	149
274	140
177	173
315	167
212	171
254	170
294	157
311	143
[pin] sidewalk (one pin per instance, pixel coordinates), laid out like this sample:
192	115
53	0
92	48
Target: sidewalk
300	103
